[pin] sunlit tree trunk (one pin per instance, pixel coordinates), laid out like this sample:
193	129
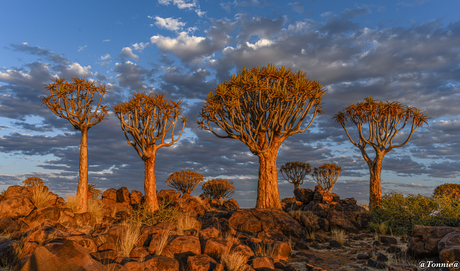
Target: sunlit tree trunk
150	184
268	195
375	189
82	190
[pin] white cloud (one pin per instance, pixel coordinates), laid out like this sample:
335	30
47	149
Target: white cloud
77	70
106	40
184	46
181	4
105	57
127	52
260	43
168	23
140	46
82	47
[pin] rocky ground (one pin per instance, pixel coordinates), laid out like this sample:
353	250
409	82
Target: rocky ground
317	231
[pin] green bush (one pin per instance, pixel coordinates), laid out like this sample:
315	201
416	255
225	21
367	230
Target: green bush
165	213
451	190
401	212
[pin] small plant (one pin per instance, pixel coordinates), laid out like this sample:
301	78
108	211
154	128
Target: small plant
95	206
339	235
184	181
164	240
184	223
233	261
41	197
33	181
326	175
295	172
143	215
311	234
264	250
380	228
129	238
94	193
217	189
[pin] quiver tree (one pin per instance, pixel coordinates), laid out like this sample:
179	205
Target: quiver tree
217	189
326	175
295	172
185	181
148	119
33	181
76	102
262	107
378	123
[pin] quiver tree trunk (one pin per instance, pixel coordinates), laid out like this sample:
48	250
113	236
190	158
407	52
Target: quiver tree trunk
82	190
375	189
268	195
150	184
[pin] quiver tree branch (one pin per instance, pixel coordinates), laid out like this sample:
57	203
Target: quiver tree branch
75	102
261	107
146	120
377	124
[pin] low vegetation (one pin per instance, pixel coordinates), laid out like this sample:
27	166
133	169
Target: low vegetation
339	235
129	238
165	213
233	261
95	206
184	181
217	189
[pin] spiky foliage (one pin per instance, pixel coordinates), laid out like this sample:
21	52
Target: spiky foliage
217	189
262	107
295	172
33	181
76	102
326	175
148	118
378	123
451	190
185	181
93	192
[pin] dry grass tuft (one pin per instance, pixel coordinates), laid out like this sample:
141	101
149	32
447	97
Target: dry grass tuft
41	197
162	243
129	238
184	223
233	261
339	235
95	206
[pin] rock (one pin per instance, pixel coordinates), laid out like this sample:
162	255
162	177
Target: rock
52	214
108	256
44	234
230	204
388	240
311	267
85	241
135	198
402	267
338	221
135	266
109	196
7	225
243	250
182	245
168	196
123	194
16	207
116	267
215	247
201	262
425	239
162	263
189	205
209	232
107	246
259	262
280	251
449	240
348	201
334	244
16	191
256	220
8	252
323	224
310	223
84	219
272	235
322	196
138	253
58	256
449	247
376	263
304	195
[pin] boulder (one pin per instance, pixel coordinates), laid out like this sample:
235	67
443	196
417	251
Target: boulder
304	195
260	262
322	196
311	224
256	220
449	247
209	232
202	262
339	221
425	239
16	207
135	198
215	247
161	263
168	196
189	205
272	235
182	246
109	196
243	250
16	191
230	204
123	195
58	256
280	251
402	267
7	225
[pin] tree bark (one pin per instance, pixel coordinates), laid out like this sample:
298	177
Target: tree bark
296	185
268	195
82	190
150	184
375	189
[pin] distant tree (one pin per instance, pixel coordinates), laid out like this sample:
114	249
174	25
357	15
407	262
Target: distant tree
295	172
326	175
149	118
262	107
185	181
452	190
33	181
381	121
74	101
217	189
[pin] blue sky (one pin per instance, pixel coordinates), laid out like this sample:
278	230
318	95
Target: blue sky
406	51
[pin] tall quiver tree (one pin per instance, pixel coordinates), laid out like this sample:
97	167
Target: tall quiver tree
149	118
381	121
75	102
262	107
295	172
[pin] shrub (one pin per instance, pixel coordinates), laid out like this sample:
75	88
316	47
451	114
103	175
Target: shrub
295	172
94	193
143	215
184	181
129	238
403	212
217	189
95	206
326	175
234	261
339	235
33	181
451	190
41	196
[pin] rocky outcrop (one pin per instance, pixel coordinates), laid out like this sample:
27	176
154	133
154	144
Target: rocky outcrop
424	241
